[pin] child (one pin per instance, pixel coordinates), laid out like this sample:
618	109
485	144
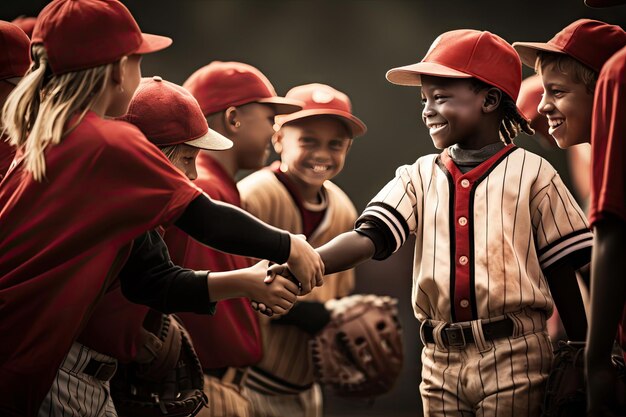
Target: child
296	194
84	187
170	118
579	168
494	225
240	103
14	62
569	64
566	71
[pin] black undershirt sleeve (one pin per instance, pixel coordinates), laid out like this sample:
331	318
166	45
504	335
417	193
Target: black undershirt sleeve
149	277
229	229
384	242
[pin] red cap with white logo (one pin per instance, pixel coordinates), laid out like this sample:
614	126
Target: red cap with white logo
322	99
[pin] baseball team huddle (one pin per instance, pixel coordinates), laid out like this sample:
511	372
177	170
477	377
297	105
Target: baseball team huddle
138	277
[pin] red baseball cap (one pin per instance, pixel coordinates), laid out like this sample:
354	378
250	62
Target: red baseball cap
15	47
27	24
589	41
466	53
81	34
220	85
529	98
169	115
322	99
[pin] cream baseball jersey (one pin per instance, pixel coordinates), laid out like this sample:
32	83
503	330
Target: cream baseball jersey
483	238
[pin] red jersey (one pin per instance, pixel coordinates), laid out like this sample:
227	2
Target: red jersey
114	327
231	337
61	244
608	147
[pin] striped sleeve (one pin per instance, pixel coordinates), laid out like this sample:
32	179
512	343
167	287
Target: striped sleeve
393	209
561	229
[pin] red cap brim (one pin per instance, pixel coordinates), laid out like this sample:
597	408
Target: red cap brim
152	43
357	127
527	51
411	74
282	105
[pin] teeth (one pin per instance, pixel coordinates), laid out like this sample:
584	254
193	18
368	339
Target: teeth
320	168
437	125
554	123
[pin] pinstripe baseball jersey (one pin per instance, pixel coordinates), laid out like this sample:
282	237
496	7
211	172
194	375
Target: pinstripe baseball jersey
267	198
483	238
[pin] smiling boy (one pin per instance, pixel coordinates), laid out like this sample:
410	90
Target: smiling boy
569	65
297	194
497	235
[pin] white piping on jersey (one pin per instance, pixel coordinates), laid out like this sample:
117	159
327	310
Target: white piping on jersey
387	217
573	247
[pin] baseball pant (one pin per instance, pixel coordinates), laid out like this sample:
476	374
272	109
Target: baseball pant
75	393
306	404
225	398
502	377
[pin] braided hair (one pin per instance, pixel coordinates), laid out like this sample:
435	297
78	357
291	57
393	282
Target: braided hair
513	122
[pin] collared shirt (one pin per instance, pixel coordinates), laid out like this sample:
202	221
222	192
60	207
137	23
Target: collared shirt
483	238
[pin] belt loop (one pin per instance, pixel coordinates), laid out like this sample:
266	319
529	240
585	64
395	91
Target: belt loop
437	336
422	337
518	327
479	336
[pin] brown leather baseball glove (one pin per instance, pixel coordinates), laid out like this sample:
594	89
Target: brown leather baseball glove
168	385
359	353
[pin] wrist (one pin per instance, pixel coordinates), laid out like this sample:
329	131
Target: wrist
225	285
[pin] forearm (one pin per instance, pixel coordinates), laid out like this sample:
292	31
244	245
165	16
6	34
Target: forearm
568	299
150	278
230	229
228	284
181	290
346	251
608	289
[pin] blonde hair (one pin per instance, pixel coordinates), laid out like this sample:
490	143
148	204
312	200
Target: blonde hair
171	152
36	112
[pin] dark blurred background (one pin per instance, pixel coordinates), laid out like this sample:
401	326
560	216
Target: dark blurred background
349	45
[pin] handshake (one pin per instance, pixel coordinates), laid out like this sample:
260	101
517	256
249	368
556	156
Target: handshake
278	286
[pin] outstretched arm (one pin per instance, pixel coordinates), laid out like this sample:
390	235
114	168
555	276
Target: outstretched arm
346	251
230	229
149	277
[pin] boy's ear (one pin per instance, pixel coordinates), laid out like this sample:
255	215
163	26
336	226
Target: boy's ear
493	97
277	141
231	120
